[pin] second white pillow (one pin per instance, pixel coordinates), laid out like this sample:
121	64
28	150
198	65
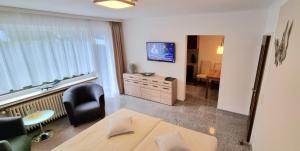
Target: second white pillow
171	142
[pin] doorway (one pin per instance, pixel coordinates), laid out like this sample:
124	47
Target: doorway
258	81
203	67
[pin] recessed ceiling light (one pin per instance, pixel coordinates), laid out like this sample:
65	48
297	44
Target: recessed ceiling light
115	4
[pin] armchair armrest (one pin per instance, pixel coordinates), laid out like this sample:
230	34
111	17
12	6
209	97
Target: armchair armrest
101	101
69	99
11	127
69	103
98	94
5	146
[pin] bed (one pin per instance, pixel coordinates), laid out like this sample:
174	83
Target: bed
146	129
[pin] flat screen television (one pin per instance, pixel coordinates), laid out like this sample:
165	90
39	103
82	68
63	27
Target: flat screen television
161	51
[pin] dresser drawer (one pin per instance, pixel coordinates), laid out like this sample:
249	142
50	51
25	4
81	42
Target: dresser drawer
146	96
145	79
166	89
130	77
127	89
127	81
155	81
145	85
166	99
136	83
156	98
165	96
136	91
150	94
131	82
132	90
155	87
166	83
150	86
150	91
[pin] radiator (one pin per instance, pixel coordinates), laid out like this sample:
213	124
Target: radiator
49	102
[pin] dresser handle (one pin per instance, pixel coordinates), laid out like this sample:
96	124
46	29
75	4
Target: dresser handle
154	81
155	86
166	88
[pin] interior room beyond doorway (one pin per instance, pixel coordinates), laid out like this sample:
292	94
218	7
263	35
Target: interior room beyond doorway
203	70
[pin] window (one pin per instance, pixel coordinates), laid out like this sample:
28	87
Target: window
40	51
31	59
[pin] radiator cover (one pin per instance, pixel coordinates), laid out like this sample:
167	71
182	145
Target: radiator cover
49	102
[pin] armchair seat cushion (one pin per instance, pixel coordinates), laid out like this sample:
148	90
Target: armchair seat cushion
87	111
20	143
87	108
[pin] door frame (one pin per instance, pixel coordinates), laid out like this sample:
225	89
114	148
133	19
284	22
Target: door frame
258	82
185	60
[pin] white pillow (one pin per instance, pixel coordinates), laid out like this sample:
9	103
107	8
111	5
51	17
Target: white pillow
171	142
119	125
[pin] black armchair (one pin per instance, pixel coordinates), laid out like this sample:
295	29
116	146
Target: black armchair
13	135
84	102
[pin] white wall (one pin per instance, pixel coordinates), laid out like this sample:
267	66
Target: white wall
243	32
277	122
272	16
208	46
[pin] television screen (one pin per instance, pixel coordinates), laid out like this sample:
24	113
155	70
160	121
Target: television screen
161	51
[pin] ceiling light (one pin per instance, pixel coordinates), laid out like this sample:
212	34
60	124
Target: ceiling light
220	49
115	4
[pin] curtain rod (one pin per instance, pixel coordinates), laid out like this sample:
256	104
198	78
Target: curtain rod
55	14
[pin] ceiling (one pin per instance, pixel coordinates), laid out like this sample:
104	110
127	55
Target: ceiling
144	8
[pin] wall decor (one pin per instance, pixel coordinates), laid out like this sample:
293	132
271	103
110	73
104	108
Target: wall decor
281	45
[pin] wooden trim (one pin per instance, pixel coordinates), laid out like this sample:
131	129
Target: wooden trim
258	81
38	94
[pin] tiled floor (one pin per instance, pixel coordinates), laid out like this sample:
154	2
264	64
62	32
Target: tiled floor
195	113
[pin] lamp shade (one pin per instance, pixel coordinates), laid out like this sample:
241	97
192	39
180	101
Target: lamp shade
220	50
115	4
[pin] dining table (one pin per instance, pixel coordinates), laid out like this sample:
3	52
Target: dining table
211	76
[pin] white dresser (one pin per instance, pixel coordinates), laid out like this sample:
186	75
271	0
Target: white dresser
154	88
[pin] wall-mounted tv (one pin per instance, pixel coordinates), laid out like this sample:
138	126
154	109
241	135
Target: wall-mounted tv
161	51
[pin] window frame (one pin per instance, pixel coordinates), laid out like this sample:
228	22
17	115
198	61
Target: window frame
35	92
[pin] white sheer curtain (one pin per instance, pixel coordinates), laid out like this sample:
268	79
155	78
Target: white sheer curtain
37	48
104	57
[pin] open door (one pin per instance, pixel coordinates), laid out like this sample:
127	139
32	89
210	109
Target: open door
258	81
